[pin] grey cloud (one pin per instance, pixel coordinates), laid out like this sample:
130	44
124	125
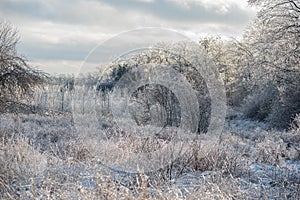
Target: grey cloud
73	12
36	51
30	8
76	12
134	40
109	17
168	10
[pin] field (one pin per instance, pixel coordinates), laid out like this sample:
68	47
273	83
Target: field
150	99
48	155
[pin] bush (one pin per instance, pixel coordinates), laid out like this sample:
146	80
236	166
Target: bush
259	105
286	108
17	78
279	108
296	123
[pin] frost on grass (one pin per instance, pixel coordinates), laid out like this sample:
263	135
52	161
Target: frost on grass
45	157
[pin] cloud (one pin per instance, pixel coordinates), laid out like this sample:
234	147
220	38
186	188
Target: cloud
56	67
119	12
66	30
187	11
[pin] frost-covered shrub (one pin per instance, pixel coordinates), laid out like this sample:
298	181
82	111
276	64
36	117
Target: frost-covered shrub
279	107
19	163
18	79
285	109
296	123
259	105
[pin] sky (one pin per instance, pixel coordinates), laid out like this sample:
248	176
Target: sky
58	35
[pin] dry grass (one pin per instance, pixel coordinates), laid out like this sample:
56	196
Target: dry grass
46	158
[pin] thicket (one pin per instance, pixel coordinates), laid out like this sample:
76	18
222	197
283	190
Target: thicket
262	71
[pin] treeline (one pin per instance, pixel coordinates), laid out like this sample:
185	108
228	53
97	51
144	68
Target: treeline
262	71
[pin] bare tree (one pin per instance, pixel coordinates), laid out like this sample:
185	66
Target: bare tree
273	40
231	58
154	100
17	78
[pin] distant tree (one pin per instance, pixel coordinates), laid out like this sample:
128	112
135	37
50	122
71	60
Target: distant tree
149	98
232	58
273	40
17	78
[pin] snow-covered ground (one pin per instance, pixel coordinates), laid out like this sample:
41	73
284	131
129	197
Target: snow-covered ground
47	157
